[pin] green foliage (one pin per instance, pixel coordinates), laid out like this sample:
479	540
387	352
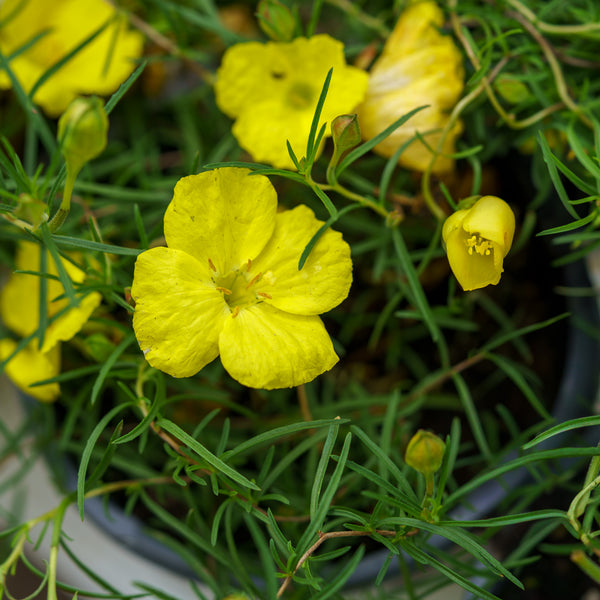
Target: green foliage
283	493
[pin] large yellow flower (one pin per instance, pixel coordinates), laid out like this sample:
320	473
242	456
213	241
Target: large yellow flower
272	89
20	310
418	66
99	68
228	283
477	239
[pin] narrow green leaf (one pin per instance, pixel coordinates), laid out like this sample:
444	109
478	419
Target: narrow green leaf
114	99
554	176
517	463
317	520
517	377
65	280
590	421
196	447
322	467
89	448
71	242
108	364
415	285
310	146
278	433
505	337
385	460
570	226
337	583
359	151
535	515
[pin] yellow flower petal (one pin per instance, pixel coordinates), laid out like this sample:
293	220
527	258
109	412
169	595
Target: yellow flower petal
324	280
477	239
272	90
65	326
99	68
418	66
19	299
225	215
178	314
263	347
30	366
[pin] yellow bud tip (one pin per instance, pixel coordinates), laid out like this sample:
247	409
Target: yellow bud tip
425	452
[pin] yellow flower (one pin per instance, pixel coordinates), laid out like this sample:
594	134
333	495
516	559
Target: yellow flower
272	89
20	299
30	366
19	308
477	239
228	283
99	68
418	66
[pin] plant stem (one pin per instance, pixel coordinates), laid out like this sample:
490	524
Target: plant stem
323	537
65	206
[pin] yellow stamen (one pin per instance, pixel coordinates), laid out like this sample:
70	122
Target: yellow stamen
249	265
224	290
212	265
235	312
254	280
264	295
479	245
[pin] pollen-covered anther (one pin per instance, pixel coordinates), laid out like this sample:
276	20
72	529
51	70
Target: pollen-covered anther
478	244
264	295
254	280
235	312
224	290
212	265
249	265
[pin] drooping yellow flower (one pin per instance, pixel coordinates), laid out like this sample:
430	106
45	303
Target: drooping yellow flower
20	299
98	68
272	89
20	309
477	239
29	366
418	66
228	283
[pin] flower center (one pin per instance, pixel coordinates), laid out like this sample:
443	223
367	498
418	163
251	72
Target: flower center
300	95
238	287
479	245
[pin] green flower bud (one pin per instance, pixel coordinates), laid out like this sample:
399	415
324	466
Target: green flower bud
82	132
276	20
31	210
513	90
345	133
425	452
98	347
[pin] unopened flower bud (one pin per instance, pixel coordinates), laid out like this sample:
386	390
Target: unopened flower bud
425	452
31	210
98	347
82	131
345	133
513	90
276	20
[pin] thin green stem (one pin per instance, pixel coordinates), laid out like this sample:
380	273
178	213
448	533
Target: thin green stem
549	27
391	217
65	206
